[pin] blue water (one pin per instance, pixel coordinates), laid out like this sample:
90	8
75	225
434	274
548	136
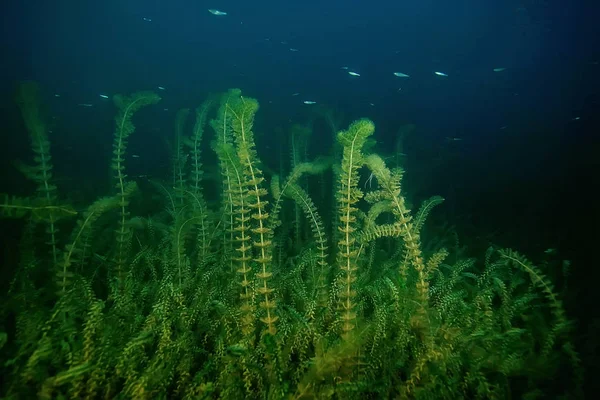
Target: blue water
533	123
81	49
514	152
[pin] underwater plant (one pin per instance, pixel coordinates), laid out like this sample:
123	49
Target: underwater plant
261	294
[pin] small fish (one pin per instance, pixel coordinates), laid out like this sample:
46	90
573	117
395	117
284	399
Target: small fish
147	19
499	69
216	12
344	68
295	94
161	88
104	96
440	73
372	104
309	102
401	75
453	139
353	73
135	156
85	104
293	49
576	119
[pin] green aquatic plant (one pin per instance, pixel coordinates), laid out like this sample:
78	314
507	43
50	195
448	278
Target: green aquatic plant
28	100
349	194
244	297
126	106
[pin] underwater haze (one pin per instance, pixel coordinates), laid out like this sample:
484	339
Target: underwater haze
299	199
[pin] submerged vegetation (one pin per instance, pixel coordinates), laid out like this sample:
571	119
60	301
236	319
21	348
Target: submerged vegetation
260	292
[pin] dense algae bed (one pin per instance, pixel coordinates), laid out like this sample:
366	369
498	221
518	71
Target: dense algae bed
263	293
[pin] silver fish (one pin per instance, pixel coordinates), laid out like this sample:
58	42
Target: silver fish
216	12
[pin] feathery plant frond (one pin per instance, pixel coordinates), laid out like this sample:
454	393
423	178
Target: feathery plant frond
75	249
390	183
307	205
179	157
19	207
424	211
126	107
28	100
315	167
195	148
243	111
349	194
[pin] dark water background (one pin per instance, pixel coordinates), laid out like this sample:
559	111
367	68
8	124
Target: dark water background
524	174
